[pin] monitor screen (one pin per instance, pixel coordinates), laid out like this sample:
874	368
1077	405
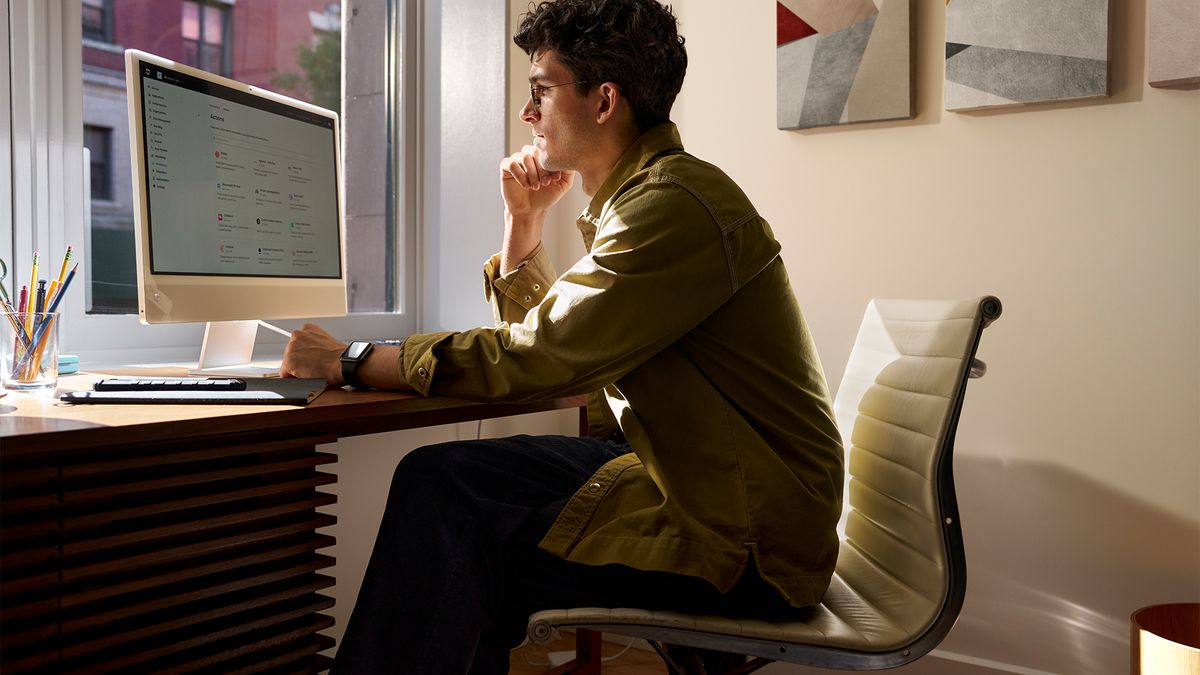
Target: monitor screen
237	199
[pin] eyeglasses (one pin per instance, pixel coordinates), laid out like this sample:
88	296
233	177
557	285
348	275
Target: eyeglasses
536	91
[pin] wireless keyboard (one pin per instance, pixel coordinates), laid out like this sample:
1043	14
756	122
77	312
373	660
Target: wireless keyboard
170	384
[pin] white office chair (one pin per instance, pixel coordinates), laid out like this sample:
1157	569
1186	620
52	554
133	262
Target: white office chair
901	570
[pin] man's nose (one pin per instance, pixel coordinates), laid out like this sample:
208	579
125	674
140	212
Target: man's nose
529	114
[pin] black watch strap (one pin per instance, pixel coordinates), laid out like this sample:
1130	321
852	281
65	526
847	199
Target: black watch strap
351	359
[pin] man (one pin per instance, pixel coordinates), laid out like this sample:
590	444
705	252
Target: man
722	491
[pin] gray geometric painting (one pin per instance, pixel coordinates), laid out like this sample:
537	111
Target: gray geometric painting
1012	52
843	62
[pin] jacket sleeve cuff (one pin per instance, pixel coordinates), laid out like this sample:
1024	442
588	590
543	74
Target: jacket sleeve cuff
417	362
522	289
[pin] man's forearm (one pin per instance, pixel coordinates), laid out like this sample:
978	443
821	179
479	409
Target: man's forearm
381	369
522	234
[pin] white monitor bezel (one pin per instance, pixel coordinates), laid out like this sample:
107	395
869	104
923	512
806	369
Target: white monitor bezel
176	298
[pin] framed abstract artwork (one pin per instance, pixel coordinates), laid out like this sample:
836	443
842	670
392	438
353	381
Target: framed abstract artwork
1174	44
843	61
1013	52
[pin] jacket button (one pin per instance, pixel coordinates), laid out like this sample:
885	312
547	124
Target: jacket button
594	488
422	372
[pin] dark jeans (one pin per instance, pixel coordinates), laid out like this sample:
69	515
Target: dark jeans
456	570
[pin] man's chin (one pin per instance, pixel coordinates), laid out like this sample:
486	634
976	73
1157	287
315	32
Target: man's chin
544	158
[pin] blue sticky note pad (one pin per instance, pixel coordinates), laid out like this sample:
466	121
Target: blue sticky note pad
67	364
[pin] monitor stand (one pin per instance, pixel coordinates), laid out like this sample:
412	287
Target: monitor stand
228	350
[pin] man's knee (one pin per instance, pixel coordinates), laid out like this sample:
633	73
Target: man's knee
423	464
443	466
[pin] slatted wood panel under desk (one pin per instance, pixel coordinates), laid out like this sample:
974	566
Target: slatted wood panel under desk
187	556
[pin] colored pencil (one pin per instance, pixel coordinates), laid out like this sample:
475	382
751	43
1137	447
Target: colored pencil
32	285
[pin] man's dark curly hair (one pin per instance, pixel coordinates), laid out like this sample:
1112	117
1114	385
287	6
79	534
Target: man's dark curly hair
632	43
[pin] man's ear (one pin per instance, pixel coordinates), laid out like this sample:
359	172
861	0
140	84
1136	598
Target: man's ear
611	101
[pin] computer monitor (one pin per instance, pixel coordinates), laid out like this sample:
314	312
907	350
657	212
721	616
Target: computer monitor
237	206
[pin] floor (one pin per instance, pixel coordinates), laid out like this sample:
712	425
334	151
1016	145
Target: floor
530	659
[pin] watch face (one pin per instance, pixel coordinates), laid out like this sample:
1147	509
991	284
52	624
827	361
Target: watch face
357	349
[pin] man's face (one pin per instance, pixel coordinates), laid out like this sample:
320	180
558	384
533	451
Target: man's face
560	124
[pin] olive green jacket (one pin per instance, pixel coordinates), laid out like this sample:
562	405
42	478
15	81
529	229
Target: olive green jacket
682	313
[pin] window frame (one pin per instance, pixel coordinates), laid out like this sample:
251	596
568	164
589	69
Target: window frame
46	185
7	244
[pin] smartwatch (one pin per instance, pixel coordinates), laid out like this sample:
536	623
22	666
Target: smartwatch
351	359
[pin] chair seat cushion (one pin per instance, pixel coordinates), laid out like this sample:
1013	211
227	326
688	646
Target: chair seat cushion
865	609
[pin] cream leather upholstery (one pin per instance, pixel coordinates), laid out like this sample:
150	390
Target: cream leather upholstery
900	575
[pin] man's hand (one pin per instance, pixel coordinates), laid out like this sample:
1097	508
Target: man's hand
528	187
312	352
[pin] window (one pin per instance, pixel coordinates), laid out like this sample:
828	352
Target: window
419	112
295	48
96	24
205	32
98	141
299	54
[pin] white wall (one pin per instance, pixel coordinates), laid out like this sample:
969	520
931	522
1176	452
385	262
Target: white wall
1078	463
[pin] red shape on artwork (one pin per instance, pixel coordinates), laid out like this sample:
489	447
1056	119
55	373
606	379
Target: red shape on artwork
790	27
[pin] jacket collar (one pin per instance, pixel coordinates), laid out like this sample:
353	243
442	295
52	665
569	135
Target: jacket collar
654	142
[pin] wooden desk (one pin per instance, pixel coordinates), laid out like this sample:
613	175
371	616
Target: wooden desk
171	538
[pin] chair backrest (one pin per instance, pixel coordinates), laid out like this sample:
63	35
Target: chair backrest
898	407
